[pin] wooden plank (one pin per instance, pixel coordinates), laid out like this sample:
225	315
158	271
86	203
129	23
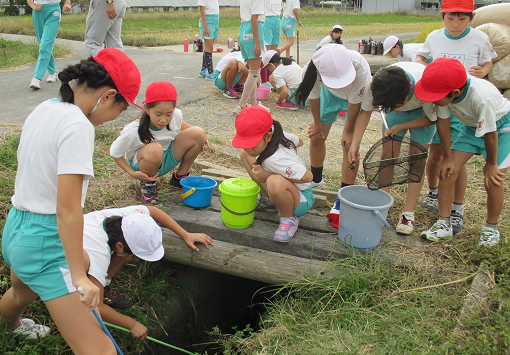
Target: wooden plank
251	263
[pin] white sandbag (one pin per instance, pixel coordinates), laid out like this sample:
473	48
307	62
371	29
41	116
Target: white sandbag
496	13
506	94
499	36
500	73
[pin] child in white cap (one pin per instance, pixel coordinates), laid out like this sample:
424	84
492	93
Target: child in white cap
333	37
393	46
229	72
116	236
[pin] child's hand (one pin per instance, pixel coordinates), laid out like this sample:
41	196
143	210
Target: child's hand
493	175
139	175
314	129
446	168
192	238
260	173
392	131
477	71
347	139
206	145
138	331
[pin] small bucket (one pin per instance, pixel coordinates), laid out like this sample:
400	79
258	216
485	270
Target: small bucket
362	216
197	191
263	93
238	202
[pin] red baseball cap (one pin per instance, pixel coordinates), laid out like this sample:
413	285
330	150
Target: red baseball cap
251	125
439	78
458	6
123	71
160	91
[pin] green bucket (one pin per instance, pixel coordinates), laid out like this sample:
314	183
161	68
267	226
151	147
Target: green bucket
238	202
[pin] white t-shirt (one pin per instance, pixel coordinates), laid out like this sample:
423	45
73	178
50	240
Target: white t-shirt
481	106
237	55
326	40
252	7
211	6
57	139
128	143
289	75
288	8
472	48
273	7
409	52
414	72
287	163
95	239
354	93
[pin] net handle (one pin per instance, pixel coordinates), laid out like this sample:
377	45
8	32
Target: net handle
383	115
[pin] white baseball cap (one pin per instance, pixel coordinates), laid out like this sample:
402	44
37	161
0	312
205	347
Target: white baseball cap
389	43
337	26
266	57
143	236
334	65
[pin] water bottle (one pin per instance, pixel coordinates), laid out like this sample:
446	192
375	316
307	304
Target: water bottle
230	42
236	45
186	45
360	46
505	128
197	36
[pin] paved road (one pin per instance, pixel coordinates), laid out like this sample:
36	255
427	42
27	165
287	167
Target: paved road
170	63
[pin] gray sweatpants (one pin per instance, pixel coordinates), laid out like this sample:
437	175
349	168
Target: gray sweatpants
100	29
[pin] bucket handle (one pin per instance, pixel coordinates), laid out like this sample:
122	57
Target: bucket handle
239	213
383	220
187	193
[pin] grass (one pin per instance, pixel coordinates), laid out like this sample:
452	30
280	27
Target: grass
16	53
168	28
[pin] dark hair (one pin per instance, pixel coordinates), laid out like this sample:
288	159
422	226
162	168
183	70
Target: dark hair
450	94
88	72
458	14
307	84
144	127
112	226
399	43
338	40
276	59
390	86
273	145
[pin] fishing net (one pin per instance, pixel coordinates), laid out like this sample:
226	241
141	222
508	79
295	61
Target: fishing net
394	161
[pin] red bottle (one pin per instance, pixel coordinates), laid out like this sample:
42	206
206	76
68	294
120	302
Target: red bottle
186	45
230	42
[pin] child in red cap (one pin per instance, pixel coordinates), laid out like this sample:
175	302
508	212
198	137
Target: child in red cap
484	111
269	155
151	146
43	235
472	48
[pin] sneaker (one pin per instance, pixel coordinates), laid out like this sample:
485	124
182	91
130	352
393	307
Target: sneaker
265	205
405	224
334	213
286	106
115	301
35	84
52	78
317	185
202	73
488	236
149	192
439	231
238	109
239	88
341	114
429	203
457	221
260	104
209	76
175	181
286	230
230	93
31	330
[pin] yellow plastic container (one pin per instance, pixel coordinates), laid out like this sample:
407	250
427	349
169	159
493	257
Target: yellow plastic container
238	202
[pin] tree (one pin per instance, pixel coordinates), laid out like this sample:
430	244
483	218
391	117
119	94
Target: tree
12	9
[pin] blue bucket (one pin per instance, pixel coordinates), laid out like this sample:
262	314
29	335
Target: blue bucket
197	191
362	216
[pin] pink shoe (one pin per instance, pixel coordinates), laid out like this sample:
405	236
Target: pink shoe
341	113
286	105
286	230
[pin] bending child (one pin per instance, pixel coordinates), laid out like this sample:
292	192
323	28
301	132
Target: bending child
393	46
269	155
229	72
116	236
483	110
333	37
151	146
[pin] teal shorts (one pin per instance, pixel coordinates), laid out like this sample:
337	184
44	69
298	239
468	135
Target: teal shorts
246	40
455	126
289	26
167	164
32	248
272	28
421	135
218	81
213	22
292	100
305	206
467	142
331	105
